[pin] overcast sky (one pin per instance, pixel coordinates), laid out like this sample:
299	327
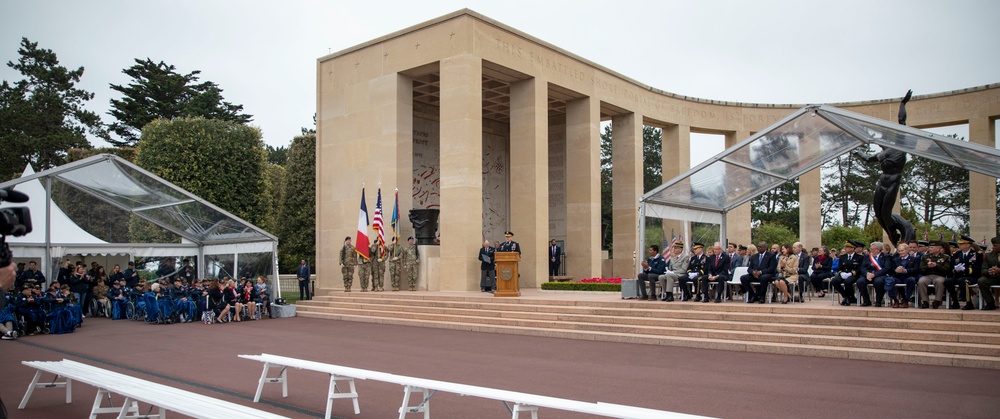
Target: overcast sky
263	53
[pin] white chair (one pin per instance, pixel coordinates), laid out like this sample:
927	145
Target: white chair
735	280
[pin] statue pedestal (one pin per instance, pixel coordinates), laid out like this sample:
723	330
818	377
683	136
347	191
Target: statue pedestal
507	276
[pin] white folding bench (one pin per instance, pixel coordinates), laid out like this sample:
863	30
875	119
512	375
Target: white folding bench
336	372
134	390
522	402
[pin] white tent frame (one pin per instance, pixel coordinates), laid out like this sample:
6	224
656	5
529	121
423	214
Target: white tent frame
656	202
192	244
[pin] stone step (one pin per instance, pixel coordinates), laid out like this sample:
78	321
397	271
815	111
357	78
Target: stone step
811	308
773	325
623	326
904	356
694	311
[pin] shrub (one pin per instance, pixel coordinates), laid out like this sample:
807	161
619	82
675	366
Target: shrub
581	286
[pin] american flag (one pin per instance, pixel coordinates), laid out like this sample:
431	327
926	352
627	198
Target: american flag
377	224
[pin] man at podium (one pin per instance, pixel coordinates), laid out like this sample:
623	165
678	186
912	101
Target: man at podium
509	245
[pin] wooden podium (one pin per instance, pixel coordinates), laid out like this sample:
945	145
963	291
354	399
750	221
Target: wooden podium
507	277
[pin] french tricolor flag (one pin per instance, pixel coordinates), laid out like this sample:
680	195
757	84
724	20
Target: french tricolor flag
361	244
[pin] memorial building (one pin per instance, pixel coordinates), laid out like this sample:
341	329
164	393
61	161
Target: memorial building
500	131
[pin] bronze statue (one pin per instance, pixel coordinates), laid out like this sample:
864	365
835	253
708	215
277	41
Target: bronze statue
892	162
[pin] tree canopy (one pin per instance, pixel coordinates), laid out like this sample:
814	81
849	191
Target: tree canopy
157	91
297	230
42	115
220	161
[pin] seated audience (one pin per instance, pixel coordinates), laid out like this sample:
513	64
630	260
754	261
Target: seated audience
934	268
905	270
990	275
874	270
717	272
652	268
788	272
761	270
676	267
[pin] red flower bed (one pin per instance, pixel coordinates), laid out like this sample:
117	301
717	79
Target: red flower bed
602	280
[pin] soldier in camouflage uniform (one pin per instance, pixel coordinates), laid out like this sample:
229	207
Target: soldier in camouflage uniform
411	258
395	255
348	259
364	271
378	267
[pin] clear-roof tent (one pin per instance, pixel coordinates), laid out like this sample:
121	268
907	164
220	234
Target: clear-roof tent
802	141
123	184
113	195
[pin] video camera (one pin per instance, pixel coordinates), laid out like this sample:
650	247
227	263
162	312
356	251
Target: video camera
14	221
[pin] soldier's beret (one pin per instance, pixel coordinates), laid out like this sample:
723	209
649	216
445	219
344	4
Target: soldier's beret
938	243
858	243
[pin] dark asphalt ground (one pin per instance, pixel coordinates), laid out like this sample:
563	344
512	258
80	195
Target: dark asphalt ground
726	384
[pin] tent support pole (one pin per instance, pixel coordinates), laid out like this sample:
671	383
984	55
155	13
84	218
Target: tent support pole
640	250
48	230
276	284
722	230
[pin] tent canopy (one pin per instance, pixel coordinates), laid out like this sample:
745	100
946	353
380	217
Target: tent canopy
202	227
802	141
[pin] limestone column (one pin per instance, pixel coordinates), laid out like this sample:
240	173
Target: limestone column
626	188
398	123
583	188
675	159
810	209
461	173
529	177
738	219
982	188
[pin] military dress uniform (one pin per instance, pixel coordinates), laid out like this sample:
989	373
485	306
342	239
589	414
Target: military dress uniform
847	273
395	255
696	270
411	258
378	267
348	260
965	273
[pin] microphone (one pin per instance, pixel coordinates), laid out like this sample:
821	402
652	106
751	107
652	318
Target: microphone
10	195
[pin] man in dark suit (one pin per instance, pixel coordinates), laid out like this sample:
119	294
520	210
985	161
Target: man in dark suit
848	272
303	276
875	268
761	269
718	272
555	256
805	261
652	268
735	260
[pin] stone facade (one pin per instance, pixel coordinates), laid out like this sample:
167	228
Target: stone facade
504	129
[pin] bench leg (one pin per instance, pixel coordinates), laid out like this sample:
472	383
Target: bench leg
68	384
333	394
130	411
424	406
518	408
264	379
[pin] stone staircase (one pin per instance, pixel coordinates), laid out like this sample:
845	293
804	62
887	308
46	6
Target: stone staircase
933	337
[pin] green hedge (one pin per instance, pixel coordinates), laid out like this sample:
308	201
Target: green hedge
581	286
